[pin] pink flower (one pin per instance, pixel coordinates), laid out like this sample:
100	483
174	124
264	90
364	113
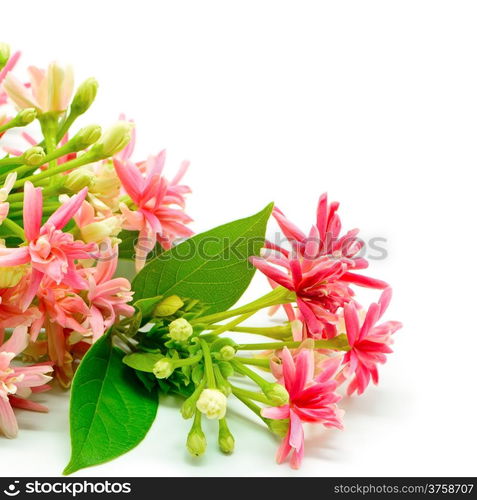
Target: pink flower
50	251
50	91
159	215
107	296
3	73
318	269
311	400
4	192
369	342
16	382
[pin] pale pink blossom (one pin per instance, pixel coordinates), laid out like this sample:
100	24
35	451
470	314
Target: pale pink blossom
49	91
159	216
17	382
49	251
107	296
312	399
369	342
11	63
4	192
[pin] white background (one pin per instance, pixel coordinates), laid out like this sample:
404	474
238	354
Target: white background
372	101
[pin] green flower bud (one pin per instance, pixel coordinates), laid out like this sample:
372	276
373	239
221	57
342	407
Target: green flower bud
180	330
78	179
279	427
163	368
114	139
26	116
226	440
277	394
227	353
84	96
85	137
196	442
34	156
4	54
168	306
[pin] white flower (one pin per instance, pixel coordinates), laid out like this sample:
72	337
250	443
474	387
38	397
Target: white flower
180	329
212	403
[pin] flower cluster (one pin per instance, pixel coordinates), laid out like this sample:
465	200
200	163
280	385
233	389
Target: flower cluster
73	204
68	202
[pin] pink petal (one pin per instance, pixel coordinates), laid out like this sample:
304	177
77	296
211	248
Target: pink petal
18	342
65	213
8	422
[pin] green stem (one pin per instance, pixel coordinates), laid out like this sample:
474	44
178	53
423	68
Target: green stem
245	370
255	396
65	126
208	364
15	228
228	326
274	332
279	295
49	127
339	343
262	363
46	192
188	361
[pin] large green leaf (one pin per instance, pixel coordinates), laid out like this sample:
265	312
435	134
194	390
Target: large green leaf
213	266
110	411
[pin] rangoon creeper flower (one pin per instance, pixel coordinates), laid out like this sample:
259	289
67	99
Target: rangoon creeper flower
159	215
369	342
18	382
4	192
163	368
212	403
180	329
312	399
49	251
49	91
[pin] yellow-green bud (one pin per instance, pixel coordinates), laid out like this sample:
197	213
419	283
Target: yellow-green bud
226	440
227	353
113	140
34	156
86	136
168	306
212	403
163	368
279	427
78	179
196	442
84	97
277	394
98	231
4	54
11	276
180	329
26	116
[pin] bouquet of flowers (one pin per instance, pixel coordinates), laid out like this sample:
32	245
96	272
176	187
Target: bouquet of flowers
75	202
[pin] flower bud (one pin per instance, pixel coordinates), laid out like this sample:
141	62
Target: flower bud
196	442
11	276
26	116
99	231
163	368
226	440
227	353
78	179
277	394
180	329
85	137
4	54
168	306
279	427
113	140
212	403
34	156
84	97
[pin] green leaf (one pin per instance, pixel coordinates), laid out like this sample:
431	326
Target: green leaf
213	266
128	241
143	361
110	410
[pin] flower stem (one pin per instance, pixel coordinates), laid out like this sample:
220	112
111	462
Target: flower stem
255	396
248	372
274	332
339	343
279	295
261	362
14	228
218	329
208	364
